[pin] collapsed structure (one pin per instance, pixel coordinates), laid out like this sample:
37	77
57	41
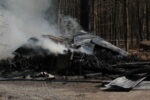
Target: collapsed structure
86	49
87	53
82	42
77	52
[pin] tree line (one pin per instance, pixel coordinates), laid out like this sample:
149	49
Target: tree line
124	23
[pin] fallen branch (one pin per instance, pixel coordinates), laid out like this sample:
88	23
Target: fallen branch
93	75
132	65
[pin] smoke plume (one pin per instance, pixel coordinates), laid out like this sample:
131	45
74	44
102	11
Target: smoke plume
23	19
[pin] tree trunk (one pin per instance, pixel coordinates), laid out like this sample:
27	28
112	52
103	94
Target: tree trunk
125	24
147	19
85	14
114	22
139	22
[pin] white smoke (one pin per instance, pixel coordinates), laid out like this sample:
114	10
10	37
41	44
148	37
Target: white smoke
52	46
22	19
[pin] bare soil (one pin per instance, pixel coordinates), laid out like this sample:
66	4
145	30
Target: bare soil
28	90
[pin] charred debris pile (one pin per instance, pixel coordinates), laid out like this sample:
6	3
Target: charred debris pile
86	55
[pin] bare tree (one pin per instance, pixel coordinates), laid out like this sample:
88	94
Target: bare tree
147	19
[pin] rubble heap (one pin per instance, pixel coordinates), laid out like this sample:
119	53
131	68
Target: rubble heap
87	55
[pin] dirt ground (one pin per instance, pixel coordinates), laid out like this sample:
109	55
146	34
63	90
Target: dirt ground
27	90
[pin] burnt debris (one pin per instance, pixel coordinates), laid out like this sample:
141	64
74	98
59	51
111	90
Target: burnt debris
87	55
85	51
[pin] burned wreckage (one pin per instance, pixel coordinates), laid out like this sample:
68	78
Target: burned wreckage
83	50
84	54
82	42
87	54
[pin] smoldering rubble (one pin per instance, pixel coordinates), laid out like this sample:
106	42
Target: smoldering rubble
85	55
42	51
